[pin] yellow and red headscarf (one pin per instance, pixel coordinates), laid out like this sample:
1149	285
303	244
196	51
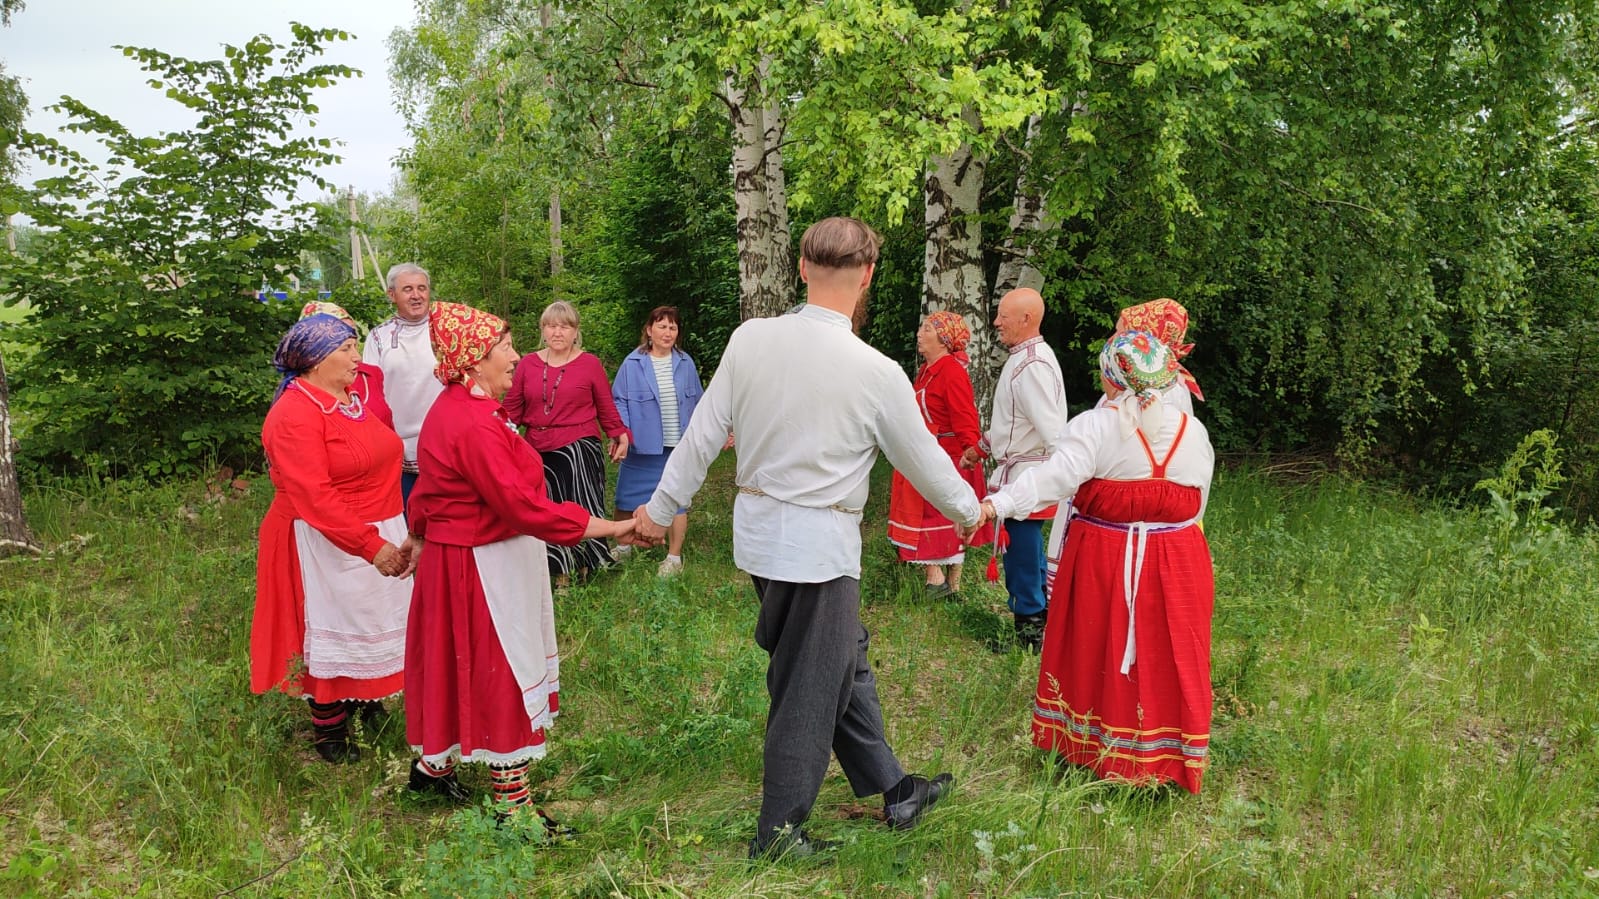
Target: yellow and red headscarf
1167	320
323	307
950	329
462	337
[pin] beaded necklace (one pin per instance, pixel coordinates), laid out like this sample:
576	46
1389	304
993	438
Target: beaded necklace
354	410
548	391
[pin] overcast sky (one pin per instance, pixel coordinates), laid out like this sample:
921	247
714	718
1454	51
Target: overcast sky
62	47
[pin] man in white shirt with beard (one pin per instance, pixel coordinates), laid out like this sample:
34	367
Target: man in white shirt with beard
812	404
402	348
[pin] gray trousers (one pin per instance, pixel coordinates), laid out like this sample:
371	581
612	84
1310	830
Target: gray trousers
824	698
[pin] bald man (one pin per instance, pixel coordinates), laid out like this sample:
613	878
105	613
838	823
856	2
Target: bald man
1029	418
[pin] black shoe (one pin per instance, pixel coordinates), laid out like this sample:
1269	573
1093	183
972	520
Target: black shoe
939	591
791	844
338	750
374	716
554	831
447	786
1030	631
903	815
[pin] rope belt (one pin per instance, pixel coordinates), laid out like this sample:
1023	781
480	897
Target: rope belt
1133	566
1007	463
756	491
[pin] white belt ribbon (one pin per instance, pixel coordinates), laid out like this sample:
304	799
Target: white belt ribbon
1133	569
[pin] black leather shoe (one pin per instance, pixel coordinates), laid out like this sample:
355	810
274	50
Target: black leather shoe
791	845
374	715
338	750
1030	631
553	830
446	787
904	815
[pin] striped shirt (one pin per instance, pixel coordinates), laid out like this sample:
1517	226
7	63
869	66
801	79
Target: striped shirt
670	429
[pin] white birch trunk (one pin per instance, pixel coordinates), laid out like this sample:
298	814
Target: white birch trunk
765	271
952	270
1028	224
15	536
773	128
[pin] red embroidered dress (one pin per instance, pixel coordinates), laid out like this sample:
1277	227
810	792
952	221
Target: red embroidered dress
949	409
482	672
337	502
1136	710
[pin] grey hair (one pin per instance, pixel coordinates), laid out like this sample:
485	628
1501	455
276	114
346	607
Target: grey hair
405	268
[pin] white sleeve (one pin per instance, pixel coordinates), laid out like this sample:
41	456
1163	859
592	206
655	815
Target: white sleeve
1057	478
914	452
370	354
698	446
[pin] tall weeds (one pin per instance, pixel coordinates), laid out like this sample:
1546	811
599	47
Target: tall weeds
1404	706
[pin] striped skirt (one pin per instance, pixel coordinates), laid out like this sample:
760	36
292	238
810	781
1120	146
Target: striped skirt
575	473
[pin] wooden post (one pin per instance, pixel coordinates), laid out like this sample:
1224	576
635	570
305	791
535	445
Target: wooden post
355	238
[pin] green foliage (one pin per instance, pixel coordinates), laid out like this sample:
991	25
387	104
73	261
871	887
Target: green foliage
668	236
151	350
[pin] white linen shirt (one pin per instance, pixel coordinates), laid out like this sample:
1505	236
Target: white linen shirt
1093	447
1029	412
405	353
810	404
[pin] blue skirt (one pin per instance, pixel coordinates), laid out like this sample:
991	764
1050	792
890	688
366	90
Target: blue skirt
637	477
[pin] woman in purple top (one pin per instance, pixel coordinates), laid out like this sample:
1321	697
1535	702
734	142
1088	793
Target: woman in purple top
558	394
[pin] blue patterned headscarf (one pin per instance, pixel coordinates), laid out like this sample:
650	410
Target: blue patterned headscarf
311	340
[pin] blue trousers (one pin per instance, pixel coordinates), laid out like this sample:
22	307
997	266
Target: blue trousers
407	481
1024	566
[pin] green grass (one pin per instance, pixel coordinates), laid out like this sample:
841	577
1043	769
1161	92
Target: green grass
1405	707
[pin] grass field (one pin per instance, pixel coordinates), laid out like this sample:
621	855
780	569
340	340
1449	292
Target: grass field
1404	707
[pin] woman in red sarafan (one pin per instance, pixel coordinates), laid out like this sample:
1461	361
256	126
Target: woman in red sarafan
1124	681
944	394
331	594
482	667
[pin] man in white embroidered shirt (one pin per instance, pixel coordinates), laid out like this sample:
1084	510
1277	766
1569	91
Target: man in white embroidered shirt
402	348
1028	420
812	404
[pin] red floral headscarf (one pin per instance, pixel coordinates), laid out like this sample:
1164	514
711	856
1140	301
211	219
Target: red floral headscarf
1167	320
950	329
462	337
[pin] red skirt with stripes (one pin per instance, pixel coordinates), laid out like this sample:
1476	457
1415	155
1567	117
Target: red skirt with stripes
1152	724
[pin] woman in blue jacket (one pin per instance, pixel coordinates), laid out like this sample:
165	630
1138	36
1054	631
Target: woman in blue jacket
656	389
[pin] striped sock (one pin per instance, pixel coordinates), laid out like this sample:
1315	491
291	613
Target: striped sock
510	783
330	720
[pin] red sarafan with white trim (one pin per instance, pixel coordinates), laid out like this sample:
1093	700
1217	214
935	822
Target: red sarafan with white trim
1124	683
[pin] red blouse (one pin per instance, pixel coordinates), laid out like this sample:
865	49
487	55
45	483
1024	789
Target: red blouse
479	483
944	392
559	404
369	384
336	474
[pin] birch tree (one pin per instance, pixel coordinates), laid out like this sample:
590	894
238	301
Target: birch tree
15	535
